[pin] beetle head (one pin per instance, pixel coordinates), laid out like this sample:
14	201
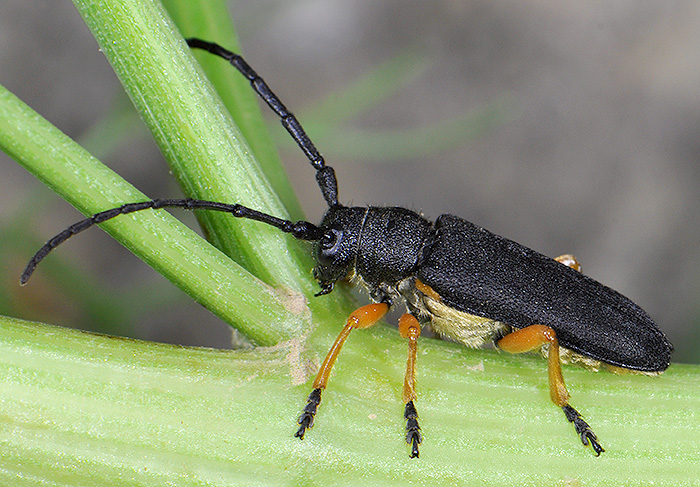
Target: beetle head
336	251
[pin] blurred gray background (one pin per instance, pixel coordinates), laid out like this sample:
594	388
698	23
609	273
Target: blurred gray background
596	152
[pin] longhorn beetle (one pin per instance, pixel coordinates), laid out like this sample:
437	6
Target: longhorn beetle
464	282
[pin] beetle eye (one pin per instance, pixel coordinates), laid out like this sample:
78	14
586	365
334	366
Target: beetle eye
329	246
329	239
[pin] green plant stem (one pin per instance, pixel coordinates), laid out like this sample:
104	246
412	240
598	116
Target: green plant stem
81	409
211	21
203	147
156	237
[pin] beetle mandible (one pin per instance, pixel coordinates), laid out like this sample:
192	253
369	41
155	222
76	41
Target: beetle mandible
464	282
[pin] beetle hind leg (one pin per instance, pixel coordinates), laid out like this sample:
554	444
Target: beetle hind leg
583	429
409	328
532	337
363	317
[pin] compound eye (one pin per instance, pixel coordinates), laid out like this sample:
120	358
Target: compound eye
330	244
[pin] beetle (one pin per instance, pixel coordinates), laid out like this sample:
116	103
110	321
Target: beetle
465	283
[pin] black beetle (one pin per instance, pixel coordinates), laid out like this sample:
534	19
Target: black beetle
467	284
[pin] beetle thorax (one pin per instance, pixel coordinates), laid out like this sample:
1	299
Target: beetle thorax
380	247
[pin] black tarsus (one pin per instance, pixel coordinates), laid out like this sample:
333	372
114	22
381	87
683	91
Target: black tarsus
301	230
325	176
583	429
413	434
306	420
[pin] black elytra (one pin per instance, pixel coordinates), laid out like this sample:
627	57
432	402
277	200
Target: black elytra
466	283
505	281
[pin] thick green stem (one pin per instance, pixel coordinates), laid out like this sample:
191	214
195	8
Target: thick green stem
205	150
79	409
211	21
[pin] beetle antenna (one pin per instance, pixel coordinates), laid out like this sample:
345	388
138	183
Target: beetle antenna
325	176
301	230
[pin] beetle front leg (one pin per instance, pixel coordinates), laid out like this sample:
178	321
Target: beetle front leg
409	328
532	337
363	317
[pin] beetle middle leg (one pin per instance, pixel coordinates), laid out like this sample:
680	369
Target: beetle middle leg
363	317
534	336
409	328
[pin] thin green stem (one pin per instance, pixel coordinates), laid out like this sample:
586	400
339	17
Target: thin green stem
203	147
156	237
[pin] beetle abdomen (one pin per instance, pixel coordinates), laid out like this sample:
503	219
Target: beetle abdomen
478	272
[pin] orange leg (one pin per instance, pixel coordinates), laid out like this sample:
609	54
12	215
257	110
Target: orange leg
409	328
571	414
569	260
532	337
363	317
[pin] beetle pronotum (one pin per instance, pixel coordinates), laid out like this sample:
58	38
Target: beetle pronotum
464	282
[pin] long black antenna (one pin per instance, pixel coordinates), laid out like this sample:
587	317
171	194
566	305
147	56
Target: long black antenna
325	175
301	230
